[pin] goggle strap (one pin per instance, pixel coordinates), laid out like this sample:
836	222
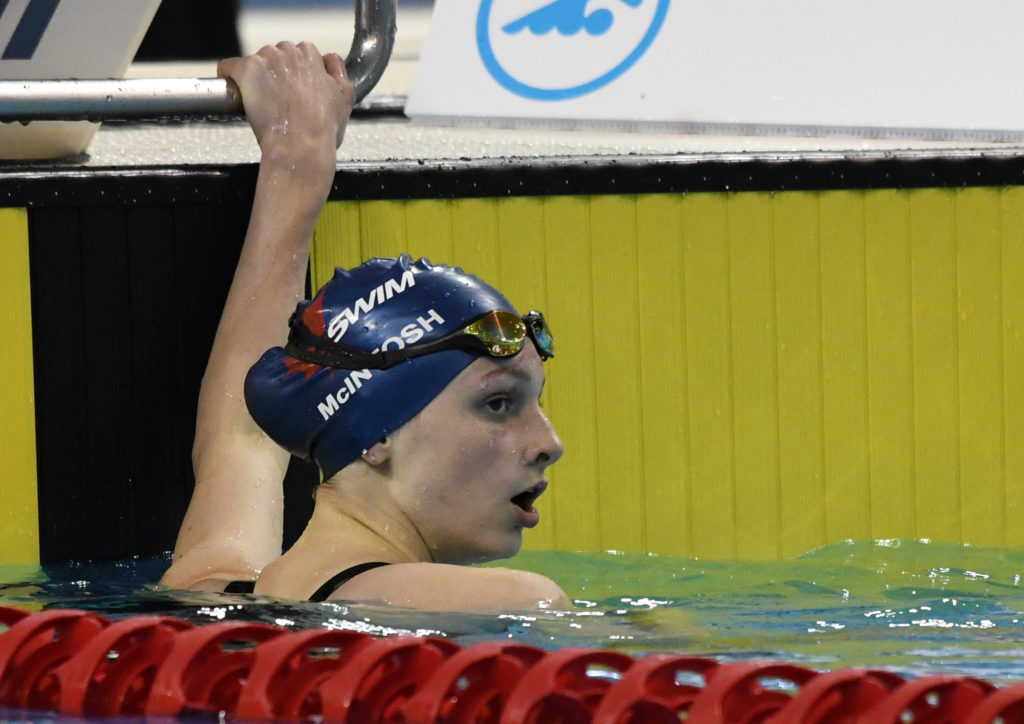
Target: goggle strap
304	345
308	347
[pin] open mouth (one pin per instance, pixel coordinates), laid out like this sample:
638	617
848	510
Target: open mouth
525	499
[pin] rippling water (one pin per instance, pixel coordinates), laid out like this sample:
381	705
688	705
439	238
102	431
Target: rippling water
909	606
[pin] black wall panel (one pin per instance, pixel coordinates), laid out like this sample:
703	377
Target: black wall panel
126	298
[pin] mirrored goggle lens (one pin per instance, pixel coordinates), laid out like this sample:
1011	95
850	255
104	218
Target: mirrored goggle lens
503	333
544	340
539	332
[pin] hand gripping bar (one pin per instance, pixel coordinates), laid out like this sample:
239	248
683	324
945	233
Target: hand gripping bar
153	99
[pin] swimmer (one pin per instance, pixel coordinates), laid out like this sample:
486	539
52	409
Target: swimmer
415	387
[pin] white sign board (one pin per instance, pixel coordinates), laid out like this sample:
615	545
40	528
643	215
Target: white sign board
51	39
930	67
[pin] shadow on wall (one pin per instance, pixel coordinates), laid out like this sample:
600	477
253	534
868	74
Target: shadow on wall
192	30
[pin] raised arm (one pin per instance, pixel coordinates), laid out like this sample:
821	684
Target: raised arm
298	103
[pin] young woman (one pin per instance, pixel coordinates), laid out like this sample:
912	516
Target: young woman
415	387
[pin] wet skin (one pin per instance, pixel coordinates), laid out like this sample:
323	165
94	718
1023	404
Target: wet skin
468	467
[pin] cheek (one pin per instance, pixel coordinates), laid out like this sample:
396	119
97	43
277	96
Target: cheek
452	461
469	472
471	464
488	452
465	444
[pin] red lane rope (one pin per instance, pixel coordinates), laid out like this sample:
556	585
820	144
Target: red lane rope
80	663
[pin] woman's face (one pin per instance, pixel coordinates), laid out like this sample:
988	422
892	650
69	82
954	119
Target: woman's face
468	467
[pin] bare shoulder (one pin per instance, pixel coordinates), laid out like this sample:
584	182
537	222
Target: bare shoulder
210	567
442	587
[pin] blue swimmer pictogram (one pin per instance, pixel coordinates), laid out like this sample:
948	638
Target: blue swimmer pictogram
566	19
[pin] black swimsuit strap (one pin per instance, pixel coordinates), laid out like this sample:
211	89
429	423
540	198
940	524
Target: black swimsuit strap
338	580
322	593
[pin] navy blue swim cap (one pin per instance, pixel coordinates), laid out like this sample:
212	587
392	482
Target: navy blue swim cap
330	416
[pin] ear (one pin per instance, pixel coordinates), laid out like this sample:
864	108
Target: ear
378	453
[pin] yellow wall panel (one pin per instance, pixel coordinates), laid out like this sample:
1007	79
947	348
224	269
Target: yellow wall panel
617	378
337	242
797	268
1011	211
847	507
890	364
382	224
755	374
979	271
475	236
933	245
19	512
428	231
662	360
520	255
571	375
708	355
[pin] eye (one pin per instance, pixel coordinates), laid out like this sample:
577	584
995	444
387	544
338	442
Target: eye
499	404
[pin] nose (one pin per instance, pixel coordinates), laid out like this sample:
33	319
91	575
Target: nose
546	447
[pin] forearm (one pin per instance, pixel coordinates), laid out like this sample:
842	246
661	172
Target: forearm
290	191
297	103
298	113
269	281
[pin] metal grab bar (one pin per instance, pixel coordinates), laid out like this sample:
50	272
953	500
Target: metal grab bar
152	99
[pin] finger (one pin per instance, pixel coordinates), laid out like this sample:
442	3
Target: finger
228	67
335	66
309	50
272	55
235	71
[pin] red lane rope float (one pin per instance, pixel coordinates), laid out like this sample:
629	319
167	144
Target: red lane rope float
206	668
80	663
9	616
837	696
564	687
112	674
285	677
472	685
36	645
929	700
658	689
747	693
1006	705
374	684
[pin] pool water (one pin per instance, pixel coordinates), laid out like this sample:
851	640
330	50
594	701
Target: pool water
912	607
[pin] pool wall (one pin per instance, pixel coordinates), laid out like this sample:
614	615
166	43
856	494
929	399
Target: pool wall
756	358
109	315
755	374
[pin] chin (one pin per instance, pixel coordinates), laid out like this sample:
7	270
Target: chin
499	551
511	549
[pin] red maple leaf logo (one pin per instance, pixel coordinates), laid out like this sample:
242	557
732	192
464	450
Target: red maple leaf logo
307	368
313	318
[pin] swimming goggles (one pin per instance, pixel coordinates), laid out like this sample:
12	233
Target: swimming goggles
495	334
